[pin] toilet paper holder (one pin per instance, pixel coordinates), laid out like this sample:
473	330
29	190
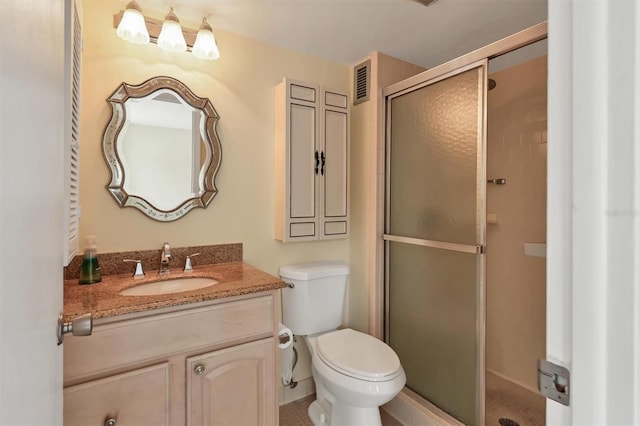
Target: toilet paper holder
284	338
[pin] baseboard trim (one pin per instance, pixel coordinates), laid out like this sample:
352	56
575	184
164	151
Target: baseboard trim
515	382
409	408
304	388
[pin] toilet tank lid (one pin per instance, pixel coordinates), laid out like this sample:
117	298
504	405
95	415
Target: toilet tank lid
312	270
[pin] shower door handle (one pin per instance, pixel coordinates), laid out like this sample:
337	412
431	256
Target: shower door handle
498	181
464	248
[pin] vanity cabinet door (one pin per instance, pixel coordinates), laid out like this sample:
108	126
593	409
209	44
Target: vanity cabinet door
234	386
136	398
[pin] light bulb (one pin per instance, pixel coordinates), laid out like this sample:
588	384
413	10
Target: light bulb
171	37
205	46
132	27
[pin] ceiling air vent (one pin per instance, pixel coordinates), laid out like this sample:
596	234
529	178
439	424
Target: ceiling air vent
361	77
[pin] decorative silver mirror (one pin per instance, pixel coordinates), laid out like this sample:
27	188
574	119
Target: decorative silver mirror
162	148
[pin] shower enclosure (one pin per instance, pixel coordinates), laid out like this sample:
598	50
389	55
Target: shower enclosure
435	236
435	229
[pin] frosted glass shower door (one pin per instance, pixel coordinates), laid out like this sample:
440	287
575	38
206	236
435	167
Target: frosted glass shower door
435	237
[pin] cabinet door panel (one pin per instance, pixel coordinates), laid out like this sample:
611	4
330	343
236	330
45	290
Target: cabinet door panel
335	228
335	99
303	93
302	127
303	229
234	386
336	166
136	398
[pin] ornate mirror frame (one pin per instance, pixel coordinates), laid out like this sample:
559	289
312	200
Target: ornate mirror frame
116	123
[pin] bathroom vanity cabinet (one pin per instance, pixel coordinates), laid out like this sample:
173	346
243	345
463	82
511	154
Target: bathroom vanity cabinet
311	162
206	363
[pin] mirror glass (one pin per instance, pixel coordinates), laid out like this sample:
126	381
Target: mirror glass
162	148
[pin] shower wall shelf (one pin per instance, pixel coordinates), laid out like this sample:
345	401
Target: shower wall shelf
535	249
492	218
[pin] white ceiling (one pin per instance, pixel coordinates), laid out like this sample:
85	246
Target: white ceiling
346	31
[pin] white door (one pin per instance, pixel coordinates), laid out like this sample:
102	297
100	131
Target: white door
31	197
593	257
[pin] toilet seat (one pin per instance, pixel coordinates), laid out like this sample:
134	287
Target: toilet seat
358	355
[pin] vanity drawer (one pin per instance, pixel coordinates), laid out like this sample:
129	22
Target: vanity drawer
139	397
157	337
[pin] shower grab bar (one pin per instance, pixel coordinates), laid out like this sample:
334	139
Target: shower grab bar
464	248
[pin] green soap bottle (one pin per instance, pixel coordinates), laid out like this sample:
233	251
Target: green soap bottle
90	270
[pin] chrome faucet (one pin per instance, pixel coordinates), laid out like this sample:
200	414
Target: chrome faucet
164	259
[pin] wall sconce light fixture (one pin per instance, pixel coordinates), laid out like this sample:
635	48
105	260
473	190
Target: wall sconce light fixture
132	26
205	46
171	38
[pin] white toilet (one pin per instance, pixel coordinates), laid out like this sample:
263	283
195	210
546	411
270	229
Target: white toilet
354	373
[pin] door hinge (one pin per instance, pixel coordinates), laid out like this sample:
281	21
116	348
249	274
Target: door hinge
553	381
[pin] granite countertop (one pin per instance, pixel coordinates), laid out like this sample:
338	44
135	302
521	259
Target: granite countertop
103	299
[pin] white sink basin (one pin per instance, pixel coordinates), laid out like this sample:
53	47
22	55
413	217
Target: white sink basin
169	286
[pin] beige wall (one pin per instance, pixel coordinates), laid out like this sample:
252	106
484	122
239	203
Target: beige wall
367	192
516	286
240	86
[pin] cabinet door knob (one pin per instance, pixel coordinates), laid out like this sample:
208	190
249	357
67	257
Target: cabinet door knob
110	421
199	369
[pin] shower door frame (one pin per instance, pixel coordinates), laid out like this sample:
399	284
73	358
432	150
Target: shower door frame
433	75
478	248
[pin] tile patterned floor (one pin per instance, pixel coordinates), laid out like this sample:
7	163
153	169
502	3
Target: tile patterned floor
295	414
507	400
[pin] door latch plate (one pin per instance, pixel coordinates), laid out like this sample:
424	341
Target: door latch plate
553	381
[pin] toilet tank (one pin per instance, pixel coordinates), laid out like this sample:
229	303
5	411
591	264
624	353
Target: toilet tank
316	302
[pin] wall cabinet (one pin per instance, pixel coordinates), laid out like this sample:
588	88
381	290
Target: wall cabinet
311	162
207	365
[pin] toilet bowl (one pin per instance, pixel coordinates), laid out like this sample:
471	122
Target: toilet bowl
355	374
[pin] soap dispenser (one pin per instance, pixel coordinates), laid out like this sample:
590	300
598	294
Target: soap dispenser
90	271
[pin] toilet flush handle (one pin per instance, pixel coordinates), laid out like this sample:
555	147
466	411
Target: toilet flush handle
290	285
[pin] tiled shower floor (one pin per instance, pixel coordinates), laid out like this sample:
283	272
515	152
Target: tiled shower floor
295	414
508	400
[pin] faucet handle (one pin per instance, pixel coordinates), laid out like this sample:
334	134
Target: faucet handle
139	272
187	263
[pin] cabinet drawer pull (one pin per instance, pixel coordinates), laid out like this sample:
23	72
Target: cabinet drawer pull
110	422
199	369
